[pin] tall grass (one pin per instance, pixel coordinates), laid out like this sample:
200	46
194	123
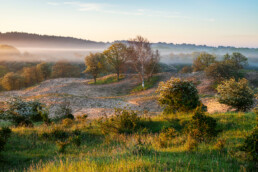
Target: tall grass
27	150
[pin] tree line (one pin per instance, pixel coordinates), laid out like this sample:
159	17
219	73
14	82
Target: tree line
135	54
15	76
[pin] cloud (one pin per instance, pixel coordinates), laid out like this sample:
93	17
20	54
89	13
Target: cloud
87	6
53	3
115	9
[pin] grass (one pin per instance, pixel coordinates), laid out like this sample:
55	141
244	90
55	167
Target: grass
27	151
107	79
147	84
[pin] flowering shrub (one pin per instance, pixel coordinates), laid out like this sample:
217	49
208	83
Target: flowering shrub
236	94
22	112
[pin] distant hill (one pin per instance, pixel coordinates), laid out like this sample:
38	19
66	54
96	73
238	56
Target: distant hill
20	39
7	50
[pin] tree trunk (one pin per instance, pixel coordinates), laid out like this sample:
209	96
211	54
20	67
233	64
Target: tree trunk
95	80
118	76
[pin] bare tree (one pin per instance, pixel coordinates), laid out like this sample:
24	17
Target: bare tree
142	57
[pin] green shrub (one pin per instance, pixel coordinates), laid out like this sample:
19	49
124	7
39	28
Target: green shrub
250	145
56	133
61	146
202	127
220	71
178	95
5	133
236	94
124	121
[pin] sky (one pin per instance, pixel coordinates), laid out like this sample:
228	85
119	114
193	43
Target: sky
210	22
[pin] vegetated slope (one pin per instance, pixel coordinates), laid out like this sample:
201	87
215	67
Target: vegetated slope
21	39
99	100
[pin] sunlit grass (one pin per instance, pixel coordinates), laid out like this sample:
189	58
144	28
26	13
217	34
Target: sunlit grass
26	150
147	84
107	79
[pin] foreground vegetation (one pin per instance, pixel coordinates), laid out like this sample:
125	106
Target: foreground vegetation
145	149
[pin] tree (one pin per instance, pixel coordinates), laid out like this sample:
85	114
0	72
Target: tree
63	69
3	70
116	56
238	60
237	94
12	81
178	95
220	71
95	64
30	75
203	61
43	71
142	57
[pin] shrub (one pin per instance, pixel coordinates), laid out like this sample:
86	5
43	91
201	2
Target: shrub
191	144
77	140
56	133
236	94
220	144
186	69
178	95
23	113
165	136
67	122
61	146
5	133
202	127
220	71
124	121
203	61
250	145
64	111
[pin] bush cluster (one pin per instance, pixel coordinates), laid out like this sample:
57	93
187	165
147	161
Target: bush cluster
250	145
124	121
202	127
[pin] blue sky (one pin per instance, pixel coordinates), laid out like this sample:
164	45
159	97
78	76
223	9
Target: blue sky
211	22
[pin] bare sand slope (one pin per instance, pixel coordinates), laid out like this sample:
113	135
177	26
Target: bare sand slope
99	100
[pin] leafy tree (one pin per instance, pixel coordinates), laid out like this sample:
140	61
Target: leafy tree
12	81
178	95
236	94
30	75
203	61
95	64
43	71
63	69
116	56
142	58
238	60
3	70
